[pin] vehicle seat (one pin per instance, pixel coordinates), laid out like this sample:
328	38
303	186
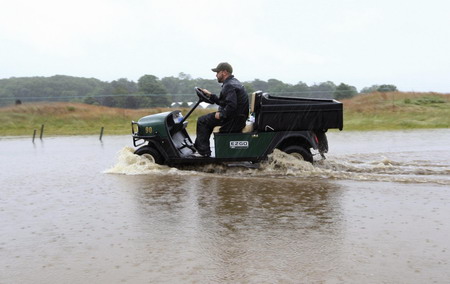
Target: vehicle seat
249	124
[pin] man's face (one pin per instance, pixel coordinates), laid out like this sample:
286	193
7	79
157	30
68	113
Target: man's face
220	76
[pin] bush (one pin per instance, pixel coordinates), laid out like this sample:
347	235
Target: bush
429	100
387	88
344	91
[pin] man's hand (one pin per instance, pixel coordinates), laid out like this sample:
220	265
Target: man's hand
206	92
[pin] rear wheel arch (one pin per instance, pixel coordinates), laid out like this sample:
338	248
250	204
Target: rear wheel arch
297	145
294	140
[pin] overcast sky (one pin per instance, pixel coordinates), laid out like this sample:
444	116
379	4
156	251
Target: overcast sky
361	43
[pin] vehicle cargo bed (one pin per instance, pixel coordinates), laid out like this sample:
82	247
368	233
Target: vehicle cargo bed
293	113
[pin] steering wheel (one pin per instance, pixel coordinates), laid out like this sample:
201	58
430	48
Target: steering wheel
202	96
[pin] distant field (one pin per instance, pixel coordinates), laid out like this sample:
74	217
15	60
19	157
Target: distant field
396	111
377	111
73	119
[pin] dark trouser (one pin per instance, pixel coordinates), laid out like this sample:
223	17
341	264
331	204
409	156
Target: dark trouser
205	126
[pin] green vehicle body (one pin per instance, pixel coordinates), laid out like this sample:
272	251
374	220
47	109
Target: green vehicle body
242	145
153	125
164	138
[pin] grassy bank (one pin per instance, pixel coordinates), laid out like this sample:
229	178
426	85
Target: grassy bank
396	110
377	111
73	119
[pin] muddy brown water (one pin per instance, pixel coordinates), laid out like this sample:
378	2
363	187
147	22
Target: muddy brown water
74	210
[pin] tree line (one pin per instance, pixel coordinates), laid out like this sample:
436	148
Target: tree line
150	91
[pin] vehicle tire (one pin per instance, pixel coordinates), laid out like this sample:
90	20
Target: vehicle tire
151	153
299	151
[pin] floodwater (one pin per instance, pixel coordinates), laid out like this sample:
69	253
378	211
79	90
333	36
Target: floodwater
75	210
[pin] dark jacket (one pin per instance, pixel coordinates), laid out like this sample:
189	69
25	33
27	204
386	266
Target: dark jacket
233	100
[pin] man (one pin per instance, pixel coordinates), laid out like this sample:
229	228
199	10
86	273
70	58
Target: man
233	109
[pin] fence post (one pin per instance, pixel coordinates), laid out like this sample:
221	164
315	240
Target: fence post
101	133
42	131
34	135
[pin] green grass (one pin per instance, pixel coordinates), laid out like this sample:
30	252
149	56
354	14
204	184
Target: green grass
396	121
397	111
377	111
74	119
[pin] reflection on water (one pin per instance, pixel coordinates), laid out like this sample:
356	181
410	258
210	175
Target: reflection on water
229	203
72	211
242	229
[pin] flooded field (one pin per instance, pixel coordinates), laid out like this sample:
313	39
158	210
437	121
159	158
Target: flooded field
75	210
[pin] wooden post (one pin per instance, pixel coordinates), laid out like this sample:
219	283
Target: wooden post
34	135
393	101
42	131
101	133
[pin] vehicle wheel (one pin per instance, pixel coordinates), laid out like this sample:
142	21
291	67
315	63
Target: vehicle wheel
299	151
151	153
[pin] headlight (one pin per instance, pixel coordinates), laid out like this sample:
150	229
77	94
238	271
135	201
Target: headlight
134	128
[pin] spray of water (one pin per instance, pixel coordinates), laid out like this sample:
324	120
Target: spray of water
282	165
130	164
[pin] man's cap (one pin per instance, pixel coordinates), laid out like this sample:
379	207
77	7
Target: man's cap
223	66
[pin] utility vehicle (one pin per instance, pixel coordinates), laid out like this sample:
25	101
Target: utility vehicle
293	125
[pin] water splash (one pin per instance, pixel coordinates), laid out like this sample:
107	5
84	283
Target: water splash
130	164
282	165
